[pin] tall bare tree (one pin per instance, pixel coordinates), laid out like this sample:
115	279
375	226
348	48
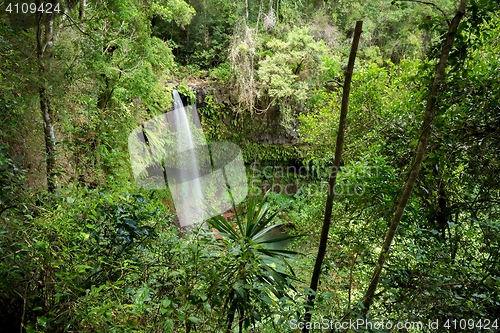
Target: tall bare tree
417	164
339	148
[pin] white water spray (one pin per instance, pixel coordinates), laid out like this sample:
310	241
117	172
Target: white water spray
171	149
190	195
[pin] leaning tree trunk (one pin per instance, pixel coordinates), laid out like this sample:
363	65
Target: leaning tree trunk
333	175
44	43
422	143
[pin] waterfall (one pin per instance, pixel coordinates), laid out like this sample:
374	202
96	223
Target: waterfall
189	205
171	150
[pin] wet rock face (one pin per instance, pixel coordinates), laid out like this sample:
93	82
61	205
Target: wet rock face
276	139
272	133
200	93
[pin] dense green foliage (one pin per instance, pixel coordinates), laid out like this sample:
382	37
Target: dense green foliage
99	254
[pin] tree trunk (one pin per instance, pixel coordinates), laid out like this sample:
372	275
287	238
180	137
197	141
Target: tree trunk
44	43
102	104
422	143
81	10
335	168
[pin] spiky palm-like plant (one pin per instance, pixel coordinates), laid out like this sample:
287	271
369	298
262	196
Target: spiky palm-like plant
248	281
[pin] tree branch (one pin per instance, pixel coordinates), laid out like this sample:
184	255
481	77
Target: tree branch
430	4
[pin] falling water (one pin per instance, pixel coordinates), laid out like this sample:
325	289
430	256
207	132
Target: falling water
171	149
189	191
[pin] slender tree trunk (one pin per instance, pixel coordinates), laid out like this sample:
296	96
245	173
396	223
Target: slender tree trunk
44	43
81	10
333	175
422	143
258	16
102	104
